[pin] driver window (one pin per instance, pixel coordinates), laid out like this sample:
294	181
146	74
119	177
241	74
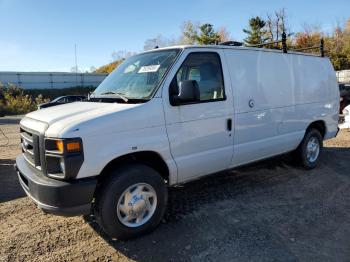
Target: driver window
205	68
62	100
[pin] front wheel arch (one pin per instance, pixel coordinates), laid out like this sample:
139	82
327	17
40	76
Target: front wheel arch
148	158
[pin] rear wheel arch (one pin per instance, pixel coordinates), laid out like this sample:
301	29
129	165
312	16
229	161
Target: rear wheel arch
319	125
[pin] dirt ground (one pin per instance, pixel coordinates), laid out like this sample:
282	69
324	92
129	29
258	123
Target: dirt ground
269	211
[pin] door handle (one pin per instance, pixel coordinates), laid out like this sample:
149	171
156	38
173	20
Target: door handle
229	124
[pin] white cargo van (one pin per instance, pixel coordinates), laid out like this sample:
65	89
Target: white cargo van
172	115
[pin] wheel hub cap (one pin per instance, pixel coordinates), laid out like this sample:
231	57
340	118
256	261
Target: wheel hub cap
136	205
312	149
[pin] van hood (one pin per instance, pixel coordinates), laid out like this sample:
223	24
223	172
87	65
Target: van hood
76	111
63	116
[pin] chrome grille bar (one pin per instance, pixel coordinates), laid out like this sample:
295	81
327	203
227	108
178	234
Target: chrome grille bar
30	148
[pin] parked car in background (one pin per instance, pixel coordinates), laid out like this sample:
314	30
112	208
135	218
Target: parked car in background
62	100
345	123
344	90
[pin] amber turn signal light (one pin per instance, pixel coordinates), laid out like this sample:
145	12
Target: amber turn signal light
73	146
70	146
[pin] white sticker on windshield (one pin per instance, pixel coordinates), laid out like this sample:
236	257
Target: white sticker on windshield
149	68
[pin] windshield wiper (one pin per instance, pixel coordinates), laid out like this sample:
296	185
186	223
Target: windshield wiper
120	95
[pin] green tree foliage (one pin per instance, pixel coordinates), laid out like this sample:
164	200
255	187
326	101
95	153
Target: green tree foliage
14	101
256	32
337	43
261	30
207	35
202	34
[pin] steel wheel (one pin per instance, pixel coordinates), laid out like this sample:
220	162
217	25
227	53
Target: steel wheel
312	149
136	205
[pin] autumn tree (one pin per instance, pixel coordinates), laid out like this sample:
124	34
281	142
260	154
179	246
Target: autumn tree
224	34
106	69
309	37
189	32
336	44
338	47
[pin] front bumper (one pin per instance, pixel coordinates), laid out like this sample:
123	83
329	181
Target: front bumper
67	198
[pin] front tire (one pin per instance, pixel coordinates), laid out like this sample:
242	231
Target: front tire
310	149
131	202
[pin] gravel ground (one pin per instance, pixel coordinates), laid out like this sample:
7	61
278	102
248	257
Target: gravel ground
269	211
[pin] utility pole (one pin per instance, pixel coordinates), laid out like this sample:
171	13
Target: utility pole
76	65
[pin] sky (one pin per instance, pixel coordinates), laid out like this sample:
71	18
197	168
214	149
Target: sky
40	35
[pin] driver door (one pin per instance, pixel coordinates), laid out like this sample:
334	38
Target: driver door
200	133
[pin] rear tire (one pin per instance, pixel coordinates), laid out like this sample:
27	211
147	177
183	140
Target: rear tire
131	202
309	150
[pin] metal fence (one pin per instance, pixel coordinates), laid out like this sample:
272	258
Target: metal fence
51	80
59	80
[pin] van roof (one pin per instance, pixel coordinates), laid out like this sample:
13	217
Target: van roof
233	48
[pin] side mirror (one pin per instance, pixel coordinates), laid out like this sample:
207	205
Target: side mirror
188	93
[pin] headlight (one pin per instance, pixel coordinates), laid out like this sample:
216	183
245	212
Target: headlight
64	157
345	112
69	146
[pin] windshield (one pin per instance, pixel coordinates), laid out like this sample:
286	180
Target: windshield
57	99
138	76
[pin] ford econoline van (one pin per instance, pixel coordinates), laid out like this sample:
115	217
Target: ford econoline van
169	116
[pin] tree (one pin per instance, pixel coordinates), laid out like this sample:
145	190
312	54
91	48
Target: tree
207	35
338	47
121	55
277	24
256	32
117	58
310	36
75	69
224	34
189	32
337	44
159	41
202	34
106	69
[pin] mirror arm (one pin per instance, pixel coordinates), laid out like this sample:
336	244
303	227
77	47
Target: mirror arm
174	100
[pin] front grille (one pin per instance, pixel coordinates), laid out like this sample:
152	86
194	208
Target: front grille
30	148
